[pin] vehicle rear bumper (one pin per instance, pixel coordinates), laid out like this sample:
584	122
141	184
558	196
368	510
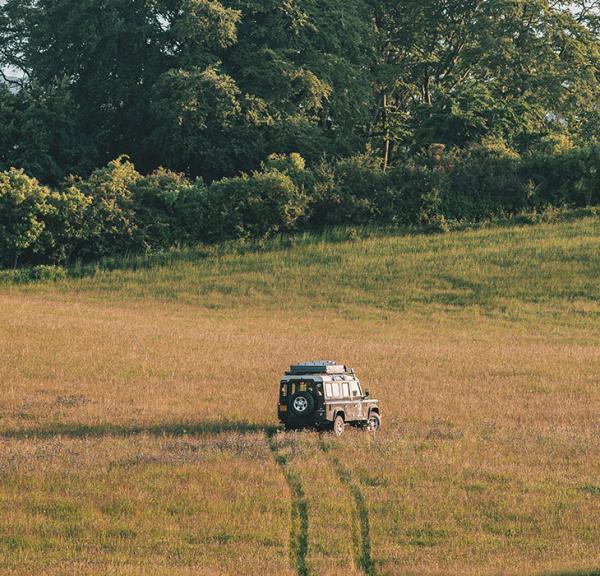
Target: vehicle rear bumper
317	418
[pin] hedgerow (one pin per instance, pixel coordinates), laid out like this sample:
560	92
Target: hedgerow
118	211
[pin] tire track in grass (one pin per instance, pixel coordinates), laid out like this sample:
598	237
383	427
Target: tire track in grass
364	558
299	510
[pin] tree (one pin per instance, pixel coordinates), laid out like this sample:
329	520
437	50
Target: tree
41	132
163	201
142	76
494	67
308	63
196	114
106	55
212	87
23	206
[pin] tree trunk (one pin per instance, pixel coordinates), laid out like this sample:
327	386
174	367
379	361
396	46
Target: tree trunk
386	127
426	89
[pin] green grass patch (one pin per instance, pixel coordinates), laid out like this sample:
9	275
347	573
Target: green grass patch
500	270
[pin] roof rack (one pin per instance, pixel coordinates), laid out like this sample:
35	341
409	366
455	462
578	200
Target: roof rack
318	367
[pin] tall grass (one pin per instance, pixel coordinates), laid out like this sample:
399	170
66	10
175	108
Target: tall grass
137	413
507	270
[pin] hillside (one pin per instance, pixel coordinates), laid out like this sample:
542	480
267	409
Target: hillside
138	432
552	267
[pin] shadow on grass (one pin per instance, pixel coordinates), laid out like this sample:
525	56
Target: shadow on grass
124	430
575	573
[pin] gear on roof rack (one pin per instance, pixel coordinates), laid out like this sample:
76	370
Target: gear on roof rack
318	367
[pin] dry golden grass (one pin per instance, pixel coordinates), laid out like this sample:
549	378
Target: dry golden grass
137	435
142	505
331	539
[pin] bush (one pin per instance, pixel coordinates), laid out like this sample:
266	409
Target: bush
413	195
191	213
23	210
347	192
294	166
256	206
291	164
110	225
117	211
156	199
65	233
483	181
569	178
43	272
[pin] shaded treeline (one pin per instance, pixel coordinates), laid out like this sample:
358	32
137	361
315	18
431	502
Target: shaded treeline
212	88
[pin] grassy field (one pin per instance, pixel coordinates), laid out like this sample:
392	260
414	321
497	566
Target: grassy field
138	432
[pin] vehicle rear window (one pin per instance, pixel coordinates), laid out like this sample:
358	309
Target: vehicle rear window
300	386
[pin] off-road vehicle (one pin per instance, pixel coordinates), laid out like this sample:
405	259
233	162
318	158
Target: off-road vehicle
326	396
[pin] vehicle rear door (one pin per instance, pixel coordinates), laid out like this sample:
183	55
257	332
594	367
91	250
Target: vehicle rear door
301	385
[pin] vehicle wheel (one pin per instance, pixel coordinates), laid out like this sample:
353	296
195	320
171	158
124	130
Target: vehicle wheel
374	422
339	425
302	403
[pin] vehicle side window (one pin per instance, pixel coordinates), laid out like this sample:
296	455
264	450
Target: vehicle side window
345	390
328	390
335	389
355	389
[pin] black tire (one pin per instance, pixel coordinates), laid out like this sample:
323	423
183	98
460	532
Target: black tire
374	422
339	425
302	403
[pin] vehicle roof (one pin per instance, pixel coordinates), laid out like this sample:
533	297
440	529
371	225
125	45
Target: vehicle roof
319	377
318	367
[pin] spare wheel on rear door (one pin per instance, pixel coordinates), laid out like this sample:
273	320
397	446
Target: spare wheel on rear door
302	403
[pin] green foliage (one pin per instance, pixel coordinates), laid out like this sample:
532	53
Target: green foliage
571	177
291	164
207	87
110	225
347	192
23	209
38	273
482	181
454	72
117	211
256	206
413	195
159	201
66	232
197	113
308	63
204	28
213	87
41	133
294	166
190	213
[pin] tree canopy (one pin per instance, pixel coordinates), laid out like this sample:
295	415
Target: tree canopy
213	87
